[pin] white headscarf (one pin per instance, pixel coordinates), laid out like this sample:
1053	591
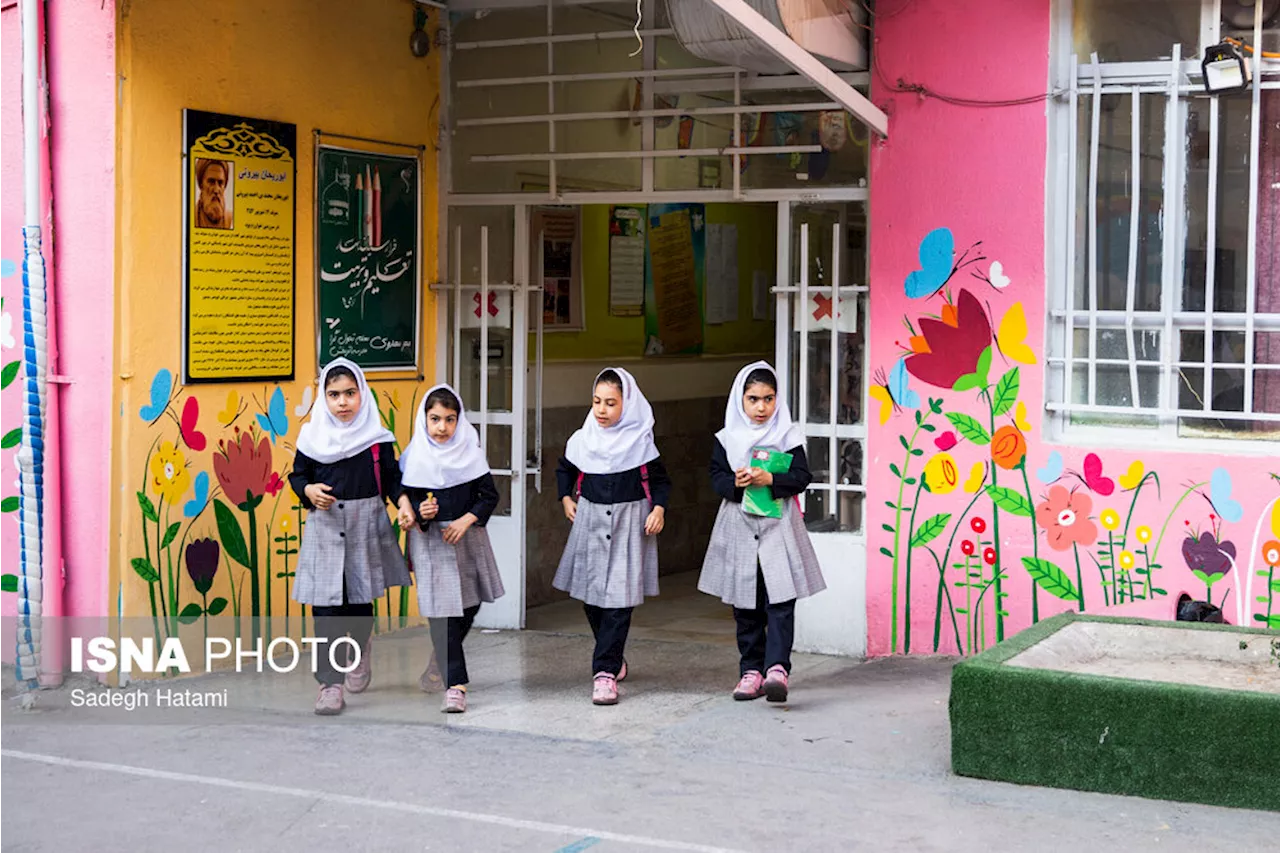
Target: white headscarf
428	464
326	439
741	434
626	445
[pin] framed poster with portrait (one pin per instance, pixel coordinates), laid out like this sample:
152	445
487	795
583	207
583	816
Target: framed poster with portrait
560	254
239	177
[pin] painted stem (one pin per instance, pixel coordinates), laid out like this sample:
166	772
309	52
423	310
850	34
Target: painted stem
995	529
164	608
897	540
1079	577
1035	544
911	532
255	594
1165	527
955	626
946	560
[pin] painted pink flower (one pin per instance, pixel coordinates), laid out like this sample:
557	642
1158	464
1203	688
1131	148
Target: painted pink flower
1064	516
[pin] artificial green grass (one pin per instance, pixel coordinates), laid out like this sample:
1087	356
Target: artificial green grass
1113	735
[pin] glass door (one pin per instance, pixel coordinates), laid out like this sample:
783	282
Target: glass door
821	338
486	357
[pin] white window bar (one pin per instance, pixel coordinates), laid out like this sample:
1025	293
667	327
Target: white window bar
648	127
1094	132
1171	221
735	110
782	323
1069	291
484	338
457	309
1251	244
536	287
551	103
832	408
633	154
1166	412
1135	169
519	460
803	314
607	35
1211	249
737	135
593	76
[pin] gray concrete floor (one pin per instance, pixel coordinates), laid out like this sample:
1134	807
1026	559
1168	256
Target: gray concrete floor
857	760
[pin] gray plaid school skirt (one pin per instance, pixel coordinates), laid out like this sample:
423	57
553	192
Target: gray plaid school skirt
780	547
352	539
452	578
608	561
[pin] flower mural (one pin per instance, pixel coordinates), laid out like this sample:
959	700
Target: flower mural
1097	531
169	476
243	467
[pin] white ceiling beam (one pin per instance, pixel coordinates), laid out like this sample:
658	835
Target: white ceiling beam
805	63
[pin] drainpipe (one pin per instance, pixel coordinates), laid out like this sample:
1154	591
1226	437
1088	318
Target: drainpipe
39	659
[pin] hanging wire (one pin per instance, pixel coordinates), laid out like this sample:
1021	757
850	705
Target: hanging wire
636	30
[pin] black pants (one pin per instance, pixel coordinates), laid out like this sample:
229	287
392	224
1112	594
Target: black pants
765	634
447	634
610	625
336	621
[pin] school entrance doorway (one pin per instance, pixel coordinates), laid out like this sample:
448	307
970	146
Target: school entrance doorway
548	243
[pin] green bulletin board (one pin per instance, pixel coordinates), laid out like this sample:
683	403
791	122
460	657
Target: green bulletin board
368	257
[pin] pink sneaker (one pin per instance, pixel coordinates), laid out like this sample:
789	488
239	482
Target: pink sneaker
622	673
357	680
775	684
330	702
750	687
455	701
604	691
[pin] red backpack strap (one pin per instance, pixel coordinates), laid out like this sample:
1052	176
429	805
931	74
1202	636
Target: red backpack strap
644	483
577	487
377	468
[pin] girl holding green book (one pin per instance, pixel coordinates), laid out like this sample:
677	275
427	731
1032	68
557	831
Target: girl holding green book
760	559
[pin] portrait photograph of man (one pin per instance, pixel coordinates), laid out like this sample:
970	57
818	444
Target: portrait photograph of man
213	193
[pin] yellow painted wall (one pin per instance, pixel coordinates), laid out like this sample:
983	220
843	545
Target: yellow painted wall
340	66
607	336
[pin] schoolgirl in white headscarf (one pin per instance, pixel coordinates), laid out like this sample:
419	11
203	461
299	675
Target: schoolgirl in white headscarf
760	565
614	489
344	472
448	497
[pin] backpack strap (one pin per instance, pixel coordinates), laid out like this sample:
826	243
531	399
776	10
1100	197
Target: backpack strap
644	483
377	469
577	487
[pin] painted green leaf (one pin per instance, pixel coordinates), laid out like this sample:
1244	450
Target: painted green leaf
190	613
142	566
230	534
1208	580
9	373
1050	578
216	606
8	583
1274	624
1014	503
9	504
148	508
886	552
931	529
170	535
969	428
897	472
1006	393
977	379
11	438
902	439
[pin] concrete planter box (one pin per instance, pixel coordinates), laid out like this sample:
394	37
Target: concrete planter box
1167	710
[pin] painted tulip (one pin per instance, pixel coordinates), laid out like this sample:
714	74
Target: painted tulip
202	562
243	468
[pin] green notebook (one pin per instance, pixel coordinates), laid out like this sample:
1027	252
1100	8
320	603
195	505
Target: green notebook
759	500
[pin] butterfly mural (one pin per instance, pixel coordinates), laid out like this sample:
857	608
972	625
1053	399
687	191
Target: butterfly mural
1011	335
191	436
235	408
938	263
894	393
161	390
274	421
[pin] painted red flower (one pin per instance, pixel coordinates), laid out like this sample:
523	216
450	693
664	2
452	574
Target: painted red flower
1064	515
243	467
967	547
989	556
979	525
949	348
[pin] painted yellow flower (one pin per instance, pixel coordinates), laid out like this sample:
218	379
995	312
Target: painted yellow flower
284	524
169	475
1126	561
1143	534
941	474
1110	519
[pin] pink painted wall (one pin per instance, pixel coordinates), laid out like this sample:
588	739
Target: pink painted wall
980	172
81	60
